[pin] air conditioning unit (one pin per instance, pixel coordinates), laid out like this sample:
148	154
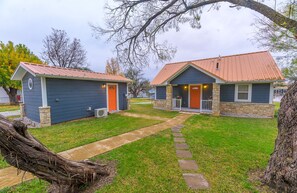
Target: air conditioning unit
101	112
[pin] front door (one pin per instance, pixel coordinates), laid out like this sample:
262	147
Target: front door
112	98
195	96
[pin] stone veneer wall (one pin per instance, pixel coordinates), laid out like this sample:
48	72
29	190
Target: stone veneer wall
45	116
258	110
22	110
216	99
160	103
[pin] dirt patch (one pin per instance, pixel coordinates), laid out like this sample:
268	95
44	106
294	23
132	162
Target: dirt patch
111	168
255	177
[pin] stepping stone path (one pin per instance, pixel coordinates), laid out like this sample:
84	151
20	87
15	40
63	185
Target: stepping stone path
193	179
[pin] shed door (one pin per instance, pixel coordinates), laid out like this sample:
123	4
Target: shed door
112	98
195	97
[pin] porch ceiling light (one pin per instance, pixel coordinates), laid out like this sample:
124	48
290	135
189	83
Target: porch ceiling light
185	87
205	86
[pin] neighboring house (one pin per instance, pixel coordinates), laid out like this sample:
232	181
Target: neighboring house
53	94
4	98
237	85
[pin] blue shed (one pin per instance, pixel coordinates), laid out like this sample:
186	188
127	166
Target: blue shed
52	94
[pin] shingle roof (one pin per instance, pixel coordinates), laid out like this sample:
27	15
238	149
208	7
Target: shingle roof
51	71
248	67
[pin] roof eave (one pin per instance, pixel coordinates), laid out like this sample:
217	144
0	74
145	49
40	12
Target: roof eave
80	78
20	72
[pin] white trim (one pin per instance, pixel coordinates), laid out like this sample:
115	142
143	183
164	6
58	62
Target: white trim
43	92
155	93
80	78
271	93
18	71
23	98
118	104
249	93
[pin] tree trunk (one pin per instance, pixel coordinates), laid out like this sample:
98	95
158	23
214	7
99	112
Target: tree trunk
12	94
281	172
23	151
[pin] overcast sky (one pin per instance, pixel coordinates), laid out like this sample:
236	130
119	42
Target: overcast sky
224	32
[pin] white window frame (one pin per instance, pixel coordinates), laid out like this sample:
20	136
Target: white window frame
249	93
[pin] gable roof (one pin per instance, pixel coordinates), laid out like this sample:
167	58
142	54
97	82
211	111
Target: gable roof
66	73
248	67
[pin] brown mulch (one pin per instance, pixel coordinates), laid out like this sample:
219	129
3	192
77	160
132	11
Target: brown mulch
111	168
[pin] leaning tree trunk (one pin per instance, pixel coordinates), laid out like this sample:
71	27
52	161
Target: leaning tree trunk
281	172
22	150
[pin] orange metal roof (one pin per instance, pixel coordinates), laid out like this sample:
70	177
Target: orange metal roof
52	71
249	67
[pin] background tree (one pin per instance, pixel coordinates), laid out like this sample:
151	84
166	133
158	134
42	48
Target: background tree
59	50
113	67
277	39
135	25
10	57
139	83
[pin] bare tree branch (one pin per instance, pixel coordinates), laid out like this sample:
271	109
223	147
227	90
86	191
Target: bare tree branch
135	25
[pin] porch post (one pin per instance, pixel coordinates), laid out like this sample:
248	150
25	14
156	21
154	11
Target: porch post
216	99
169	97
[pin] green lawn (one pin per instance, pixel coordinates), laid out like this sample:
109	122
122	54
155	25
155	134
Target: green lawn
68	135
227	148
9	107
147	165
149	110
276	108
140	100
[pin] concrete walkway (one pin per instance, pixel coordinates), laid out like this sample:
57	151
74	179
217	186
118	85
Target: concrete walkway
10	113
11	176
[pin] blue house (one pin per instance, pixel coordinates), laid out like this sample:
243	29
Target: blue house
52	94
236	85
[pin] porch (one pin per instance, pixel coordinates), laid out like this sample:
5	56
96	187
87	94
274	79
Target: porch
199	98
192	97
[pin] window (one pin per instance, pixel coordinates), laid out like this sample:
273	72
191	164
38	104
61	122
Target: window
30	83
243	92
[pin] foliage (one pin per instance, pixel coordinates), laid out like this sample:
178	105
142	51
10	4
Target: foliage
10	57
279	39
139	83
113	67
60	51
135	25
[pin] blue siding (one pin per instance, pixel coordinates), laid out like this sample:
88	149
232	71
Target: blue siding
122	96
227	92
32	98
70	99
161	92
260	93
192	76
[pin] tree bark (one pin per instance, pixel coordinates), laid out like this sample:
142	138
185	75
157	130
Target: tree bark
23	151
12	94
281	172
